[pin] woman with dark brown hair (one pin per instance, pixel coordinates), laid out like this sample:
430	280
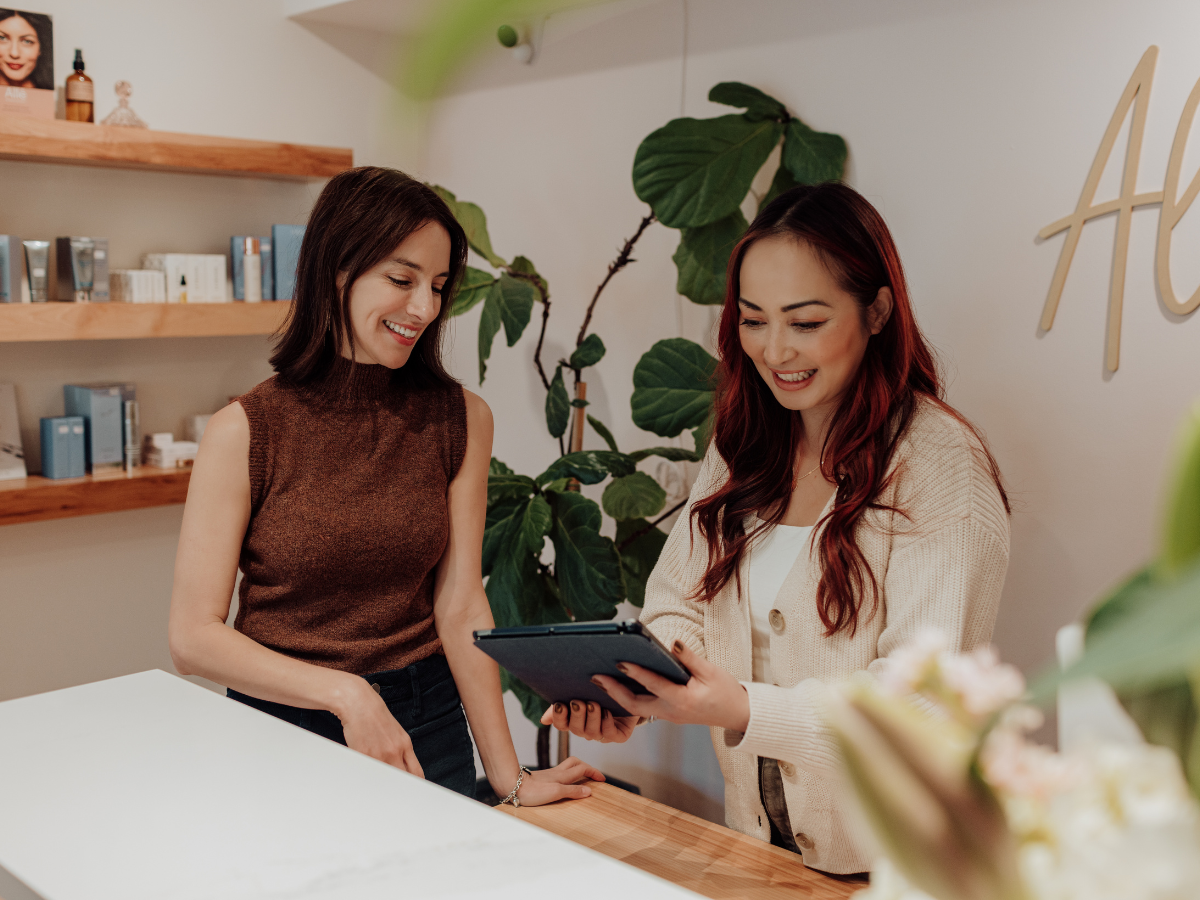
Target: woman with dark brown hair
842	508
351	491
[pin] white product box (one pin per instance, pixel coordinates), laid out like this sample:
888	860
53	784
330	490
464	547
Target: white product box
138	286
204	273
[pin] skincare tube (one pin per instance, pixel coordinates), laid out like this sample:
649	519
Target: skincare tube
133	439
37	265
252	271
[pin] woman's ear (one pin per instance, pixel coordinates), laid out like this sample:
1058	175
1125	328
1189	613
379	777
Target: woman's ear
880	310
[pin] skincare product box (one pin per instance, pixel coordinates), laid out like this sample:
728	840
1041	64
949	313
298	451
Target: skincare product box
237	254
191	277
36	102
81	269
12	270
138	286
37	270
12	452
285	245
100	405
63	447
164	452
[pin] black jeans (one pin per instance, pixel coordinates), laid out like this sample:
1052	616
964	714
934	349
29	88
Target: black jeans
424	700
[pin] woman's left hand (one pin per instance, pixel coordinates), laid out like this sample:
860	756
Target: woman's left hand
559	783
711	697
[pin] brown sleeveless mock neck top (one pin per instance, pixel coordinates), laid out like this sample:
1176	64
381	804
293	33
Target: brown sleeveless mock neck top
348	516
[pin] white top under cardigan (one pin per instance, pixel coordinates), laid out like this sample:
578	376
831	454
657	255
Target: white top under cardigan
940	566
775	552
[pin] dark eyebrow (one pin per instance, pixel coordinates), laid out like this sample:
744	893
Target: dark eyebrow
791	306
401	261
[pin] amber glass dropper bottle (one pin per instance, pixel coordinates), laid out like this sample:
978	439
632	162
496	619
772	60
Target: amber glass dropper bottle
81	94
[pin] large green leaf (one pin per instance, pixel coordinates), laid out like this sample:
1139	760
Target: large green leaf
756	104
696	171
516	304
472	290
674	454
586	562
508	486
672	387
602	430
495	467
521	265
1154	644
588	467
811	156
558	405
1181	535
636	496
639	556
489	324
783	181
703	257
507	563
474	223
590	352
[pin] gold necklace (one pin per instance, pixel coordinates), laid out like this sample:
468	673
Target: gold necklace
809	472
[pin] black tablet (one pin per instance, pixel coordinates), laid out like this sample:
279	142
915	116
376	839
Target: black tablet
558	661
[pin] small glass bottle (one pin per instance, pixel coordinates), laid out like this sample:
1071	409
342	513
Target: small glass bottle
81	94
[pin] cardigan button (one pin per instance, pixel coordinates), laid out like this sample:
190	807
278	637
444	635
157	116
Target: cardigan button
775	617
786	769
804	841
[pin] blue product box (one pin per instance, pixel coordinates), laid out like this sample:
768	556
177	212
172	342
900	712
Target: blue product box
236	252
62	447
12	268
285	244
104	423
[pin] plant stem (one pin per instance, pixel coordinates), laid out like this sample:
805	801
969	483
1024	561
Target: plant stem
614	267
637	534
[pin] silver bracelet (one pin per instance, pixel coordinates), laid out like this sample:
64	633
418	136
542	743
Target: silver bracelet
512	795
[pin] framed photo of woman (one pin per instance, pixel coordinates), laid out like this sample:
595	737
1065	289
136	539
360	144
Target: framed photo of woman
26	63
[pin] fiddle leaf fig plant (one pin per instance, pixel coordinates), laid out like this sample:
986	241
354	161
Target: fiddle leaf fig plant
696	175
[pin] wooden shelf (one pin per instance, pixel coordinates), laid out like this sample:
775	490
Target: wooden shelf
79	143
35	499
113	321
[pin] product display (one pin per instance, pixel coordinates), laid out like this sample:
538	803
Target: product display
100	405
37	270
81	94
138	286
28	68
237	251
285	241
191	277
81	269
162	451
12	452
12	270
63	447
123	116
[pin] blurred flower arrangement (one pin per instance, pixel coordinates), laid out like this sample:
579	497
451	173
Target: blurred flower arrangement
966	806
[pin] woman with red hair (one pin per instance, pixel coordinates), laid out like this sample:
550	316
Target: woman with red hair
842	508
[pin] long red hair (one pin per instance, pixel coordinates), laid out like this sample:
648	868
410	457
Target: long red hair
757	437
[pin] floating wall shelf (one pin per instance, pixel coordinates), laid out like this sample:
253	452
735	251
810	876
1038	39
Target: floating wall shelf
35	499
109	321
79	143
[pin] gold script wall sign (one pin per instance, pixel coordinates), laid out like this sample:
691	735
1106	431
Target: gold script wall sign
1137	95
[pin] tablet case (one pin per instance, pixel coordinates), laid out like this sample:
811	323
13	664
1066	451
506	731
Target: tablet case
558	661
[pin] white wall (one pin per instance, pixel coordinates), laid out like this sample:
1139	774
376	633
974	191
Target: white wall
971	126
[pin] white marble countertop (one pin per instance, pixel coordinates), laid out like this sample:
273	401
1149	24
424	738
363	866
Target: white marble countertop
148	787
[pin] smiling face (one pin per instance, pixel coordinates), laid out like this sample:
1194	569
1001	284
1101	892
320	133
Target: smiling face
393	302
19	51
803	332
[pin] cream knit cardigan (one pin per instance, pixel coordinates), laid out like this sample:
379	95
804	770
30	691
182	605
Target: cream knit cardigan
942	567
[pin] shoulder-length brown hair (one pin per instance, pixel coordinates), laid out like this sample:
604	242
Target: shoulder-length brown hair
757	437
361	216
